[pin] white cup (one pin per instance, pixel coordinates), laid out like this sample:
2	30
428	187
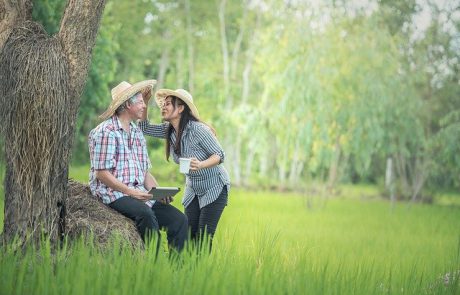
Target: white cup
184	165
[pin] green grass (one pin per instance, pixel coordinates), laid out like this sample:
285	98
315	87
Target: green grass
267	243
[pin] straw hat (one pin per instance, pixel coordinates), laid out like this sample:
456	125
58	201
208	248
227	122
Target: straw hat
186	97
122	92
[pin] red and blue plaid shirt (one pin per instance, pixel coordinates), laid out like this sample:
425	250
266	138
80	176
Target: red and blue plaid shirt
123	154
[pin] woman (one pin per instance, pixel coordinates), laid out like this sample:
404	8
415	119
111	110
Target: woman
207	183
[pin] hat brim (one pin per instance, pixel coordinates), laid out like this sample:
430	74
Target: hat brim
123	96
161	95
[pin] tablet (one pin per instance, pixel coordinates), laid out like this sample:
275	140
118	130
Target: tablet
161	192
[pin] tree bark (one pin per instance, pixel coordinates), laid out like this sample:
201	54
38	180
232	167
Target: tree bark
42	80
78	32
163	63
11	13
295	163
334	167
180	68
190	49
225	54
238	41
249	62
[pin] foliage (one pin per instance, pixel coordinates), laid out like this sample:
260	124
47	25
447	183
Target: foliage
48	13
297	91
447	150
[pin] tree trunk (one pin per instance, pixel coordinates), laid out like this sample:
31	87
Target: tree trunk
400	165
248	166
225	55
296	164
163	63
282	161
236	161
180	68
249	62
334	168
239	40
419	177
190	49
42	80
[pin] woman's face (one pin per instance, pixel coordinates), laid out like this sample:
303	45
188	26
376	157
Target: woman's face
169	111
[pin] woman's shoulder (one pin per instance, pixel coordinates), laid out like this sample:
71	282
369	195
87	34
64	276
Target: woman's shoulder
198	126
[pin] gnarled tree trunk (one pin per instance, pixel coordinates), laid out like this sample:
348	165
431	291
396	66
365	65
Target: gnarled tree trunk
42	79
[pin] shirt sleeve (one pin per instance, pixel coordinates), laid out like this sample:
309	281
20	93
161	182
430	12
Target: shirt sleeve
104	146
145	156
208	141
154	130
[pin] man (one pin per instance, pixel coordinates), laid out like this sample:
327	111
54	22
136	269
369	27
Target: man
120	165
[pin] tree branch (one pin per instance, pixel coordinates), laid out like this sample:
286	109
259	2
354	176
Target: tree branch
78	37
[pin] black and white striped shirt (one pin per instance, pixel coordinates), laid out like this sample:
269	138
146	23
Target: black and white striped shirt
197	141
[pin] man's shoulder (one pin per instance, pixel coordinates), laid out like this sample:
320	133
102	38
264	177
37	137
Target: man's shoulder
106	126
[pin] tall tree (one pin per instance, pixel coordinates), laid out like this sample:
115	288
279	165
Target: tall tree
42	79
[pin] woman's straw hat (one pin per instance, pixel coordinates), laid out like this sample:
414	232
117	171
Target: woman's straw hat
122	92
186	97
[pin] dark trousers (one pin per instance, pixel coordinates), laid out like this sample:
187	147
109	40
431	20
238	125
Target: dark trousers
151	220
205	219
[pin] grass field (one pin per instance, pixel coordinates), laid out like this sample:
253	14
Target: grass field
268	243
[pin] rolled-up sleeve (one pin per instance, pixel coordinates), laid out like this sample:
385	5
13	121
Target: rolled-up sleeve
208	141
154	130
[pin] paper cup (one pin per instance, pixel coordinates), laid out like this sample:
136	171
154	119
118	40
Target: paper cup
184	165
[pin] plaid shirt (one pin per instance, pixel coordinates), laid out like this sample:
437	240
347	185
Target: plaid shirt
123	154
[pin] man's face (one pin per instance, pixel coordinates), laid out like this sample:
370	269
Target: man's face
137	107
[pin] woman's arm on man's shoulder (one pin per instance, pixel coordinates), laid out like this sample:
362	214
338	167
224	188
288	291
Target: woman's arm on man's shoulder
154	130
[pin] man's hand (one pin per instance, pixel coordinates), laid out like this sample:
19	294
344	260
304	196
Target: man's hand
167	200
109	180
140	195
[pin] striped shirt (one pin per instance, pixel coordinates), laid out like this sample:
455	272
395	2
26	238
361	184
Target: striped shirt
123	154
197	141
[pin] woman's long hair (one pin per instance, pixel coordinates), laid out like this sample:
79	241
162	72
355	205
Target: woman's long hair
186	116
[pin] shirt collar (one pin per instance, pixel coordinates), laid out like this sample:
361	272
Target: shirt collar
187	127
116	122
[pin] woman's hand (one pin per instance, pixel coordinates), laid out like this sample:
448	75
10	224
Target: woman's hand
146	95
195	164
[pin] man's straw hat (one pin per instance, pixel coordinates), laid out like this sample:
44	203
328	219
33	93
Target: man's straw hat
186	97
122	92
